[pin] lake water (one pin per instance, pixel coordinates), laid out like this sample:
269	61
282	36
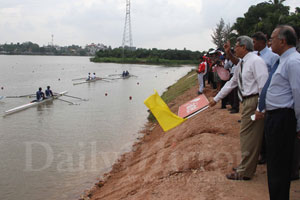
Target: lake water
56	150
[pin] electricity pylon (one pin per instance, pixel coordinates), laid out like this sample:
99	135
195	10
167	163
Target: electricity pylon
127	37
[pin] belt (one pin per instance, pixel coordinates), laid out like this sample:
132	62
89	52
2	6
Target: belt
280	110
249	96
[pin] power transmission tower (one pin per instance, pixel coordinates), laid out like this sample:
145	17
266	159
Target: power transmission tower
127	37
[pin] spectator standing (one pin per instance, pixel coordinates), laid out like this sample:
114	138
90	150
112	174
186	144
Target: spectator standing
281	99
201	72
260	45
250	77
233	95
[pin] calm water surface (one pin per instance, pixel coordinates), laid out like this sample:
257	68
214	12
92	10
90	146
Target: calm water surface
57	150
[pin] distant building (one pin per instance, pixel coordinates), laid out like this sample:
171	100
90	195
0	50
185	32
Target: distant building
93	48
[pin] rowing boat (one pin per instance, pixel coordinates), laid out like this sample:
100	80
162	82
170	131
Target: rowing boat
31	104
125	77
92	80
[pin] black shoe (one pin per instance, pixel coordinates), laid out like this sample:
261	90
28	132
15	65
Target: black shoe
223	107
239	121
199	93
234	111
237	177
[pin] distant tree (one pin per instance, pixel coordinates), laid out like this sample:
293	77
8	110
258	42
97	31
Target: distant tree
262	17
293	19
82	52
277	2
218	34
221	34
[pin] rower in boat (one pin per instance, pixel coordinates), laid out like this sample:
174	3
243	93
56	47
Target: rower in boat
34	103
125	74
93	76
48	92
89	76
40	96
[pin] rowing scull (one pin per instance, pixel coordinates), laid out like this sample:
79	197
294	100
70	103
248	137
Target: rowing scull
92	80
31	104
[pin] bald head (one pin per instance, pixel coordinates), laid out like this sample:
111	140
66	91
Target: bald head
283	38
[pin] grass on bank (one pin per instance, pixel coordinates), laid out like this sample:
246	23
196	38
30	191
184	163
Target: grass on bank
154	61
177	89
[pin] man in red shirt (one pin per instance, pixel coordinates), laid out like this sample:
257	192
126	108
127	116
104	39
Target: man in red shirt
201	72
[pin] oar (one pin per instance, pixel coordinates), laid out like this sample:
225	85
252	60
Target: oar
71	103
21	96
75	79
102	79
114	74
80	83
76	97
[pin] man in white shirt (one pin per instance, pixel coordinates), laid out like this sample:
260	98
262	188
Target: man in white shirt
89	77
93	76
250	76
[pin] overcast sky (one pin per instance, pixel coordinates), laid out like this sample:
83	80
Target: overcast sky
159	24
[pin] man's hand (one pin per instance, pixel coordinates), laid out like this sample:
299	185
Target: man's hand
212	103
298	135
259	115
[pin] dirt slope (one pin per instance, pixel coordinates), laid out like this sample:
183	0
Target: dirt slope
187	162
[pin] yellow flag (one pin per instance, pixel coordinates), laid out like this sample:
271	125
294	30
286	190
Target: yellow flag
162	113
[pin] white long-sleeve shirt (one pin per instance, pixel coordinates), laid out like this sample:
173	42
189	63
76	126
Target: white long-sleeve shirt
254	77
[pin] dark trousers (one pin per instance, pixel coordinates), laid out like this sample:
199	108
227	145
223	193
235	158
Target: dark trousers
211	80
234	100
224	100
296	160
280	130
263	151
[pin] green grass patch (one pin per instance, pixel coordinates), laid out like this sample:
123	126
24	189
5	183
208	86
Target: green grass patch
177	89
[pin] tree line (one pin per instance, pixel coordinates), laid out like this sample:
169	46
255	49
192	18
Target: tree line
262	17
148	56
170	54
29	48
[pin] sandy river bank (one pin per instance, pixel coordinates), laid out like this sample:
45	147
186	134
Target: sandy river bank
187	162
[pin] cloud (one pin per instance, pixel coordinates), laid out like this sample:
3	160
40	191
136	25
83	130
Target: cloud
155	23
195	5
